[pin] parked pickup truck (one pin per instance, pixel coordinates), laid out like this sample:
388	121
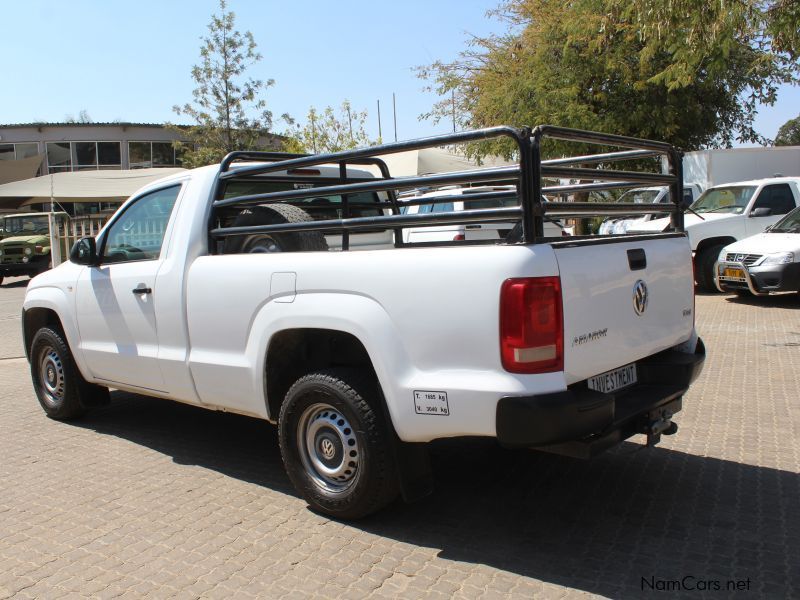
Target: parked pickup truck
727	213
214	287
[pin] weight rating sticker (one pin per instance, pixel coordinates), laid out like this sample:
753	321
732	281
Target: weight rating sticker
431	403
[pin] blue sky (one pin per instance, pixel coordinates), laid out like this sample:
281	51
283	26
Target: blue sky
131	61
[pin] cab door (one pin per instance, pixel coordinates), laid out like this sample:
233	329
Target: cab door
116	300
776	199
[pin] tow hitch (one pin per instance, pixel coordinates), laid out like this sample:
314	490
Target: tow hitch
661	426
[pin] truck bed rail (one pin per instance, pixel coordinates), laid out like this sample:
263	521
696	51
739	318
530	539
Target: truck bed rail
527	175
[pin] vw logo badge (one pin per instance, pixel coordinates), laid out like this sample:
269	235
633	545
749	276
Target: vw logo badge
640	297
328	449
739	257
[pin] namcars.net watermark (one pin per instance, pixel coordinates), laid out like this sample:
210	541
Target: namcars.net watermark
692	583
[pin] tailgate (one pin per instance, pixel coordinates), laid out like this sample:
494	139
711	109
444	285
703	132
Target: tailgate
623	299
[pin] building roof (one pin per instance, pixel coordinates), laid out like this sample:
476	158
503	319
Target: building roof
91	124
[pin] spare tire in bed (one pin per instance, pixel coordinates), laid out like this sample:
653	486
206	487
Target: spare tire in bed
300	241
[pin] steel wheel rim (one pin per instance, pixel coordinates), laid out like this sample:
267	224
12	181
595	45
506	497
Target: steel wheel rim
328	447
263	245
51	375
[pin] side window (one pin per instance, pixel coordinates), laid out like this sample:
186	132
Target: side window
139	232
778	198
443	207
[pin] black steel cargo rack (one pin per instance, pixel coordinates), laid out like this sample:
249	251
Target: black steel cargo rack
527	175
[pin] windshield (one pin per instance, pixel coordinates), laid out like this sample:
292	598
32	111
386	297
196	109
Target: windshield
731	199
26	225
788	224
639	196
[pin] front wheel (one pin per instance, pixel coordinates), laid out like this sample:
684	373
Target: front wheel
704	268
63	393
336	445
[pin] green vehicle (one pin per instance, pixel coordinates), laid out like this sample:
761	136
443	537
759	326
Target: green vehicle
25	243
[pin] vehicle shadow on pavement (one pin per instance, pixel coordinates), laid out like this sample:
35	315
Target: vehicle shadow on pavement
233	445
21	283
624	523
788	300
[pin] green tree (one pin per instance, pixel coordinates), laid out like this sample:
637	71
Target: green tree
789	133
228	110
329	131
687	71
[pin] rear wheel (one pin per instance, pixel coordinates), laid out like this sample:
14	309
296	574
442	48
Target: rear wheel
704	267
336	445
63	393
274	242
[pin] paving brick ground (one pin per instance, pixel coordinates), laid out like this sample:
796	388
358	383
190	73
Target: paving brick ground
148	497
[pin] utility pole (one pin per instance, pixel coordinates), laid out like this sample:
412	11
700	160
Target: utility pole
453	103
350	121
380	135
314	132
394	110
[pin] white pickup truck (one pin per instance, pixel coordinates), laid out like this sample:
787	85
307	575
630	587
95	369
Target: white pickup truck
726	213
216	288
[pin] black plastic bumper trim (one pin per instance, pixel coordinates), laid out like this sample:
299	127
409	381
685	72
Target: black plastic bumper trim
580	413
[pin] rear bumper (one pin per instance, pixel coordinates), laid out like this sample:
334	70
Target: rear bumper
583	422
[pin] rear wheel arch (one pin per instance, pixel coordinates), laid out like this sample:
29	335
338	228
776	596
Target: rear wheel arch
292	353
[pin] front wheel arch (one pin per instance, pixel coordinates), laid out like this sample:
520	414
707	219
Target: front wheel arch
34	319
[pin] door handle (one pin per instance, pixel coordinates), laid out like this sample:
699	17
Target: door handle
142	290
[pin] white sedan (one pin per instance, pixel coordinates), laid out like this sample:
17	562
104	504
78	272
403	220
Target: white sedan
763	263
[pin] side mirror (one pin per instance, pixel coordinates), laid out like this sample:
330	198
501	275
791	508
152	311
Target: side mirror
84	252
761	212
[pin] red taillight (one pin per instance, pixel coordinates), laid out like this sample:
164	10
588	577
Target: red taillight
531	325
459	237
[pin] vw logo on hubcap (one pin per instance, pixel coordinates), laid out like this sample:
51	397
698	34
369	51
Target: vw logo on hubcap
640	297
327	448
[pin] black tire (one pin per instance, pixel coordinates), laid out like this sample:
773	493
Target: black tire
63	393
704	268
1	279
338	412
302	241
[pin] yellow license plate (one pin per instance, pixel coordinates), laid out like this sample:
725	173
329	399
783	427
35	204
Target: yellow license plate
733	273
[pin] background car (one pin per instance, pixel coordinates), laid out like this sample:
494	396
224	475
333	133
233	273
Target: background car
763	263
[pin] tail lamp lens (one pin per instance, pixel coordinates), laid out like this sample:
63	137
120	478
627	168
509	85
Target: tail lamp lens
531	325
